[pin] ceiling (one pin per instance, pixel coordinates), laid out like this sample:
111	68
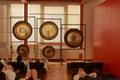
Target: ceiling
47	0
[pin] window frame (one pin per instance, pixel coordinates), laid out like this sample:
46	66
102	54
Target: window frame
56	4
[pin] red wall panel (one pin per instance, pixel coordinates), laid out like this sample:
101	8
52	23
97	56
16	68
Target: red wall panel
106	42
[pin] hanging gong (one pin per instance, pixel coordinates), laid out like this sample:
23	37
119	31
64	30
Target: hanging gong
48	30
23	50
73	38
48	51
22	30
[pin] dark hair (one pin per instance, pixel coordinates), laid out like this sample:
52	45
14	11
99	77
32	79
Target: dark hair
19	58
2	76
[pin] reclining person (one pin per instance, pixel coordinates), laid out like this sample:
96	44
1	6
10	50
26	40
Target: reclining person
82	74
9	72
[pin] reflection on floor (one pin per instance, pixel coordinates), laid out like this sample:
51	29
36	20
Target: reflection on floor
58	71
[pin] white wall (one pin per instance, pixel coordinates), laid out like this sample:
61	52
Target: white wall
4	33
88	18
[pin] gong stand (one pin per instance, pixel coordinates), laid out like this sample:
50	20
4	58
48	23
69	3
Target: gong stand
75	39
25	18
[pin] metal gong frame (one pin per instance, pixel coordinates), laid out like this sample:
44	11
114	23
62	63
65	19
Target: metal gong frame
59	30
14	43
82	42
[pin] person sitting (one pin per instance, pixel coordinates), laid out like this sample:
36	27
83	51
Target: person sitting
46	65
26	62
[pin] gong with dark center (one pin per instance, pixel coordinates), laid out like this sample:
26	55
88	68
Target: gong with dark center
22	30
23	50
48	30
73	38
48	51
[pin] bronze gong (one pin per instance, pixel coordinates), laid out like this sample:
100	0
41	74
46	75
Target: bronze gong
48	51
48	30
22	30
23	50
73	38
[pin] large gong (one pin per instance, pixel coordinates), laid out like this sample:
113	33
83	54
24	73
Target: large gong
73	38
23	50
22	30
48	30
48	51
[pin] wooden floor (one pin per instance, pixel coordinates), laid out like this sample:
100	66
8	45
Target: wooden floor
58	71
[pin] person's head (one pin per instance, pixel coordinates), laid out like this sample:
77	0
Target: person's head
81	73
2	76
19	58
80	69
